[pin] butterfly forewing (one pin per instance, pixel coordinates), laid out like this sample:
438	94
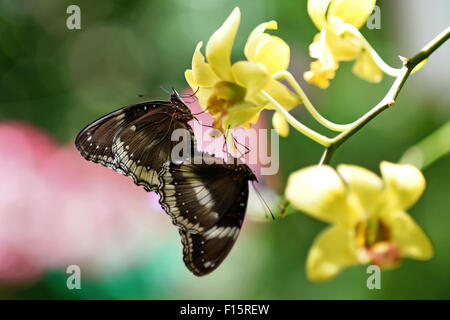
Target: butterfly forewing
146	144
95	141
135	140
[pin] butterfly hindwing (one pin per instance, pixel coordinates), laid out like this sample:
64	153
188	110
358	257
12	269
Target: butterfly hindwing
197	193
207	201
204	252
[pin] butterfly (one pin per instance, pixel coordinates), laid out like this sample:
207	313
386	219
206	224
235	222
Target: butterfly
205	197
137	140
206	200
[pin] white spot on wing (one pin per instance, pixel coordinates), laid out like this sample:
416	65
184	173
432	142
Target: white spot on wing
204	197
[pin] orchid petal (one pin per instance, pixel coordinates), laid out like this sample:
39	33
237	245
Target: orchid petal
255	37
317	10
354	12
320	192
202	93
413	242
250	76
282	95
273	53
333	250
364	184
366	68
218	49
203	74
404	184
280	124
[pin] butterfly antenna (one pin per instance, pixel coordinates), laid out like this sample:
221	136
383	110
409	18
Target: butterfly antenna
203	125
207	125
190	95
195	114
164	89
198	88
265	205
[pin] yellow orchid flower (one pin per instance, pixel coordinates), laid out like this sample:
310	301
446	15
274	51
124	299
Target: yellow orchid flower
330	46
368	216
231	93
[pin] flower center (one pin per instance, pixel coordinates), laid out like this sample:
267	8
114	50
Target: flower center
373	238
224	96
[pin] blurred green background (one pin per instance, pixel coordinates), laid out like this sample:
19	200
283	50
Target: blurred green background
60	80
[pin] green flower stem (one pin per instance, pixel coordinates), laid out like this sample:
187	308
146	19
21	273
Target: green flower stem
389	99
313	135
429	149
393	72
285	75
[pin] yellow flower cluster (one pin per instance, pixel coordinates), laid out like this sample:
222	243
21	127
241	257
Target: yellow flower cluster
368	217
231	93
330	46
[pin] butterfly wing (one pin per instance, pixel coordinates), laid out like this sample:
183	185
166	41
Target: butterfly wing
133	140
197	193
95	141
207	202
146	144
204	252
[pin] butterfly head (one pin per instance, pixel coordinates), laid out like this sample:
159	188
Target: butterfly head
175	98
174	94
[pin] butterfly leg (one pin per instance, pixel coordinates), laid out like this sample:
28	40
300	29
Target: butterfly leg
247	149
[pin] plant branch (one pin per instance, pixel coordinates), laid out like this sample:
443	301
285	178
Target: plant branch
390	97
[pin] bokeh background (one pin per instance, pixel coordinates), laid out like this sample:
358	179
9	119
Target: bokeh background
57	209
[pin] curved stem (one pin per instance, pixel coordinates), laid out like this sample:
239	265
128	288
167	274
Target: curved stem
313	135
393	72
286	75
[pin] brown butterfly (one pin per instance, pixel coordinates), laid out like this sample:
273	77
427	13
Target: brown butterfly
205	198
